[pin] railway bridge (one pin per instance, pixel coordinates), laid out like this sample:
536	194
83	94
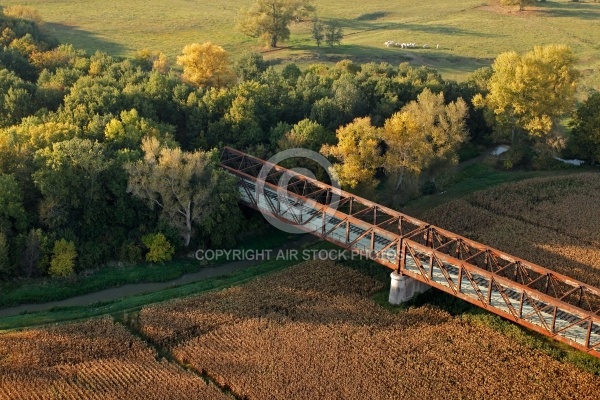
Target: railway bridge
422	255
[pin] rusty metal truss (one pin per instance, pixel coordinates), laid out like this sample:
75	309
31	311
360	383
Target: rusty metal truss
528	294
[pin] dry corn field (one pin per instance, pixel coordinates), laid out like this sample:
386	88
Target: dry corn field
311	332
97	359
553	222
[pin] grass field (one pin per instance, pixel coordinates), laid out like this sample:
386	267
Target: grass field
470	33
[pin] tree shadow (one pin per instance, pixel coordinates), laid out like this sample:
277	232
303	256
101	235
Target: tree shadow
372	16
82	39
419	56
569	10
368	25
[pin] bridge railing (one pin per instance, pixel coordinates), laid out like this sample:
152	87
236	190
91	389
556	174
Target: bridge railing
528	294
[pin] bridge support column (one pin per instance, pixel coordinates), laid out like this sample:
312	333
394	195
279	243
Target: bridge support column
403	288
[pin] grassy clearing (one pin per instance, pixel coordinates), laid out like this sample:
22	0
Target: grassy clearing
41	290
470	33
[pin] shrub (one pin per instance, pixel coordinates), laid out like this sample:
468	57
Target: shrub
130	253
63	258
159	248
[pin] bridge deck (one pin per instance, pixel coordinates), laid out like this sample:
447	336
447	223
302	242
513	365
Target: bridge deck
528	294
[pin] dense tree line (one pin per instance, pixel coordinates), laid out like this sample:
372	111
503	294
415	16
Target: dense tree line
105	158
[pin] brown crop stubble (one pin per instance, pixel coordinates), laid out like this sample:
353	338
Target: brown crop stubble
96	359
311	332
553	222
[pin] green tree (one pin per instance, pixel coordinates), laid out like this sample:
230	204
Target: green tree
70	180
531	91
181	184
206	64
159	248
34	257
63	258
128	130
5	265
424	134
318	31
333	34
585	129
15	98
358	153
12	213
269	20
306	134
250	66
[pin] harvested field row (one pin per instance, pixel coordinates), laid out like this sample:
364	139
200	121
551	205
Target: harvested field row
568	204
323	340
543	227
93	360
296	293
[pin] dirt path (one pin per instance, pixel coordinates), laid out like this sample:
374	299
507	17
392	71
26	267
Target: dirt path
143	288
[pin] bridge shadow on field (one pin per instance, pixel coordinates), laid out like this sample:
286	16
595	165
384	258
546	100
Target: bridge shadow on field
86	40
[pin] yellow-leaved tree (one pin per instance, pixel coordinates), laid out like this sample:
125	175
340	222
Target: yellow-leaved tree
531	91
424	134
206	64
359	153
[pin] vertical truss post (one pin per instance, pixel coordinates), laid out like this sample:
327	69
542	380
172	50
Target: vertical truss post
588	337
372	249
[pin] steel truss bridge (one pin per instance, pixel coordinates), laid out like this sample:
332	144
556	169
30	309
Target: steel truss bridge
525	293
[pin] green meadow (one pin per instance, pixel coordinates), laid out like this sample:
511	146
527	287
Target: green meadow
470	33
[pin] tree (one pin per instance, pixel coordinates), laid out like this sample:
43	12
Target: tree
70	180
306	134
250	66
333	34
268	20
585	129
12	212
181	184
318	31
5	267
358	150
63	258
25	12
425	133
15	98
520	3
159	248
34	256
206	64
531	91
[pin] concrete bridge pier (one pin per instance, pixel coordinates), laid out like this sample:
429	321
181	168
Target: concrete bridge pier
403	288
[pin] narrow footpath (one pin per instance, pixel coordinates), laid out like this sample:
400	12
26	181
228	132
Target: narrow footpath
149	287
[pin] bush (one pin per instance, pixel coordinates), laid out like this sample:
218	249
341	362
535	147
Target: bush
130	253
63	258
159	248
5	266
25	12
